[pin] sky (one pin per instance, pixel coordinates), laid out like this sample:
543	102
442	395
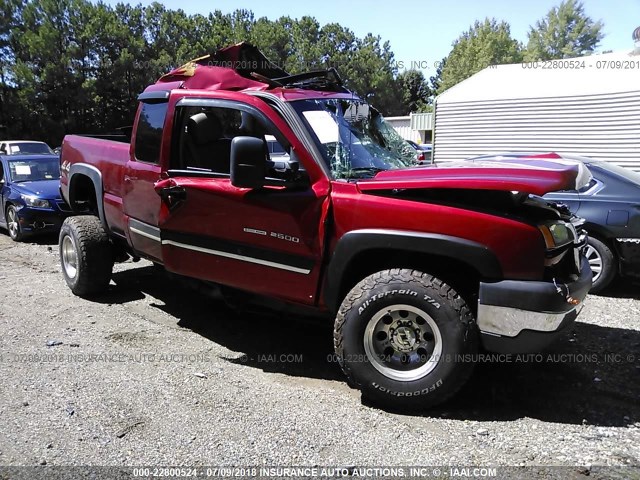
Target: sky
421	31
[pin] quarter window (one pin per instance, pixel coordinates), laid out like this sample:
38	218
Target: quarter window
149	132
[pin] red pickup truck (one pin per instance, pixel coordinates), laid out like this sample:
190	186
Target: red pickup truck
419	266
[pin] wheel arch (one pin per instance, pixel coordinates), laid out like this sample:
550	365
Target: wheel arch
85	182
460	262
606	236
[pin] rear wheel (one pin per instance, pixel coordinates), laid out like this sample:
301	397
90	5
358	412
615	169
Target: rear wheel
13	224
406	339
602	263
86	255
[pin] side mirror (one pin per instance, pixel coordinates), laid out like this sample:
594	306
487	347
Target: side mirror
248	162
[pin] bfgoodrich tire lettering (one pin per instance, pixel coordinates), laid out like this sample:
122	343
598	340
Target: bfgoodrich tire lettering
86	255
413	330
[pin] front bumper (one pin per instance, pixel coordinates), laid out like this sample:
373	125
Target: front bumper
523	317
41	220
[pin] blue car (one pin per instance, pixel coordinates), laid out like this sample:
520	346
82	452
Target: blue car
30	198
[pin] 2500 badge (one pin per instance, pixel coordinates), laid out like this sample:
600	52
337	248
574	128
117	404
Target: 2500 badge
278	235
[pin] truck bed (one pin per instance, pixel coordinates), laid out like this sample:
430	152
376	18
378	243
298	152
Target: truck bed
110	157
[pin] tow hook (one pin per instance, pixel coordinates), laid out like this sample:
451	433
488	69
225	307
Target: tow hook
568	298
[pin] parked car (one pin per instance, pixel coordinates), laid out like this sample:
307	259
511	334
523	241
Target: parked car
30	198
610	205
275	149
415	266
24	147
423	148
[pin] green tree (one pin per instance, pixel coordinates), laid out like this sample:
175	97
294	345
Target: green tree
122	71
368	69
274	39
565	32
414	90
53	67
10	15
485	43
436	80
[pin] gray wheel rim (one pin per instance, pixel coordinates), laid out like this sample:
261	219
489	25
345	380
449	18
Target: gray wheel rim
403	342
595	262
69	256
12	221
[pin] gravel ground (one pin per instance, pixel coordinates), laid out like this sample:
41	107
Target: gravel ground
155	373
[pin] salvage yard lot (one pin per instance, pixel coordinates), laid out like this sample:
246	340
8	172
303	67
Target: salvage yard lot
156	373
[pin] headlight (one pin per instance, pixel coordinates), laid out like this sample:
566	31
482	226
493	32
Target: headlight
557	234
33	201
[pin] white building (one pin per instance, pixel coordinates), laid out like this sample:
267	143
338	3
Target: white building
416	127
588	106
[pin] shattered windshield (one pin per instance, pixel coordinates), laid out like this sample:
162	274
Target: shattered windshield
353	137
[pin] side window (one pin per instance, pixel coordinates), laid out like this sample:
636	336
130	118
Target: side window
204	142
149	132
592	183
1	171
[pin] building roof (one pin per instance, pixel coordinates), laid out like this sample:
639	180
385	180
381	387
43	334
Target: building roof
615	72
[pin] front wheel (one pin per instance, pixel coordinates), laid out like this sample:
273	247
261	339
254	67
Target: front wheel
406	339
13	224
86	255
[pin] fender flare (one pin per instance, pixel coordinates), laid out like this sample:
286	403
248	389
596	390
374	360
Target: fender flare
83	169
356	242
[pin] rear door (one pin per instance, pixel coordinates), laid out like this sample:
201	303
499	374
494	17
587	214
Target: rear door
268	241
141	203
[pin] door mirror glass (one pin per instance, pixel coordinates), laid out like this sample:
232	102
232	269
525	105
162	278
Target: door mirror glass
248	162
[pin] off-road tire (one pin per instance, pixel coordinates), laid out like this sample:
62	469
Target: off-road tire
93	251
384	291
608	265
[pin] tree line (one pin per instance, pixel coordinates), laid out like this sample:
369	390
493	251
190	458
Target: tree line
75	66
72	66
566	31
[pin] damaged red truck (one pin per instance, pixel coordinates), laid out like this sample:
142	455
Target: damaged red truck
419	266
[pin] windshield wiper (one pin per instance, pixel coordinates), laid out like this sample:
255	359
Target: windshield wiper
370	171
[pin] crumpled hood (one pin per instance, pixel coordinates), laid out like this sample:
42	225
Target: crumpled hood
46	189
537	176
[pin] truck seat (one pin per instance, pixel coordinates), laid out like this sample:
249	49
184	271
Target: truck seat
207	147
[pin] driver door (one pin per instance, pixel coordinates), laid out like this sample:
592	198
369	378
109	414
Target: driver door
267	241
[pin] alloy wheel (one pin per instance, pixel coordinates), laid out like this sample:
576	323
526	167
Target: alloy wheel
595	261
69	257
12	223
403	342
